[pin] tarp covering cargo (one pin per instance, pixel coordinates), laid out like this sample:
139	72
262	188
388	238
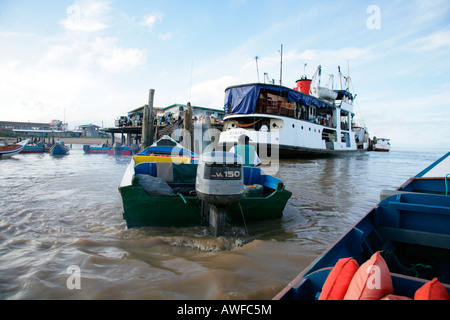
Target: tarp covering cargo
243	99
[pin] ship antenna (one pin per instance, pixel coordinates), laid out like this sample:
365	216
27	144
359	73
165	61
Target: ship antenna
257	69
281	66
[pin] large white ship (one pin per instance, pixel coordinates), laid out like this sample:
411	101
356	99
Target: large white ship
308	120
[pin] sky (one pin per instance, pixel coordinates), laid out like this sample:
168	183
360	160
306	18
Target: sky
91	61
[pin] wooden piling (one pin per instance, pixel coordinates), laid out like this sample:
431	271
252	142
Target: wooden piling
147	123
189	126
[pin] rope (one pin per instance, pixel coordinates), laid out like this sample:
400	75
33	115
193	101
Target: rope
446	186
413	268
242	212
248	124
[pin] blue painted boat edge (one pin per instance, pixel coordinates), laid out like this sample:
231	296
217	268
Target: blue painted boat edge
433	165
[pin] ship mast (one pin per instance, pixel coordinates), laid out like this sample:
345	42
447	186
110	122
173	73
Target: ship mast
281	66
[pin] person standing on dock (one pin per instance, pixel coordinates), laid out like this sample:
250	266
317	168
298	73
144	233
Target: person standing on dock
246	151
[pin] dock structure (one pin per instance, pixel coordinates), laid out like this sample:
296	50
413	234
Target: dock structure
148	123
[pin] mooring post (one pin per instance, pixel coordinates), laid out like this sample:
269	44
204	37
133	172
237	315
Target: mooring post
147	123
188	125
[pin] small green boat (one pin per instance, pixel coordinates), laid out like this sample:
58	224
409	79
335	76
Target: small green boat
163	194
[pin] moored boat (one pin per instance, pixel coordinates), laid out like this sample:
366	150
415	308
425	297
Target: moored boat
10	150
59	149
382	144
308	120
34	148
117	149
410	228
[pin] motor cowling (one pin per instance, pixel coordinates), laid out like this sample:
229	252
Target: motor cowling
220	178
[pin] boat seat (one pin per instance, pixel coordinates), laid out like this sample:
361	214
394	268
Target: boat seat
146	168
170	172
164	170
423	238
421	219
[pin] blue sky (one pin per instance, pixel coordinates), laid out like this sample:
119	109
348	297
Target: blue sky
91	61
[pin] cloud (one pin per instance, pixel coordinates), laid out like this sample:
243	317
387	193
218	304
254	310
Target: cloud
86	16
150	20
210	93
113	58
431	42
165	36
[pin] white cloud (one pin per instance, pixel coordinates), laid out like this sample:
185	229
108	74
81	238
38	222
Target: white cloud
165	36
432	42
86	16
150	20
210	93
113	58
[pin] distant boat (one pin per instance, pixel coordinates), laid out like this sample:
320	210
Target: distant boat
34	148
59	149
382	144
117	149
12	149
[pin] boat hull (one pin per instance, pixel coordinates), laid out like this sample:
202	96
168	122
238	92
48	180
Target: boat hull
33	149
58	149
423	238
13	149
296	139
298	124
184	210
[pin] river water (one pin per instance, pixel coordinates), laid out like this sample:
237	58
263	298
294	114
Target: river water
62	235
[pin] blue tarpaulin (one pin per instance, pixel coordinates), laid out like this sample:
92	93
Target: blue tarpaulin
243	99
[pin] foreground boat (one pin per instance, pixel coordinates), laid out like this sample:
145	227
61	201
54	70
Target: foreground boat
164	194
411	229
308	120
59	149
12	149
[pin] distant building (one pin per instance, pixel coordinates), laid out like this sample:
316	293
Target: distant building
176	110
55	128
89	131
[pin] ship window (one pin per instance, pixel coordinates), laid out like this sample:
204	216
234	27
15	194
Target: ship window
293	125
302	127
309	129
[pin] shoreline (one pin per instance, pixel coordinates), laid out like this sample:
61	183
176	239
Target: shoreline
91	141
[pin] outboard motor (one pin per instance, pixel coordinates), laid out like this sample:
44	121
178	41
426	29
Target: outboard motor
117	146
134	149
220	183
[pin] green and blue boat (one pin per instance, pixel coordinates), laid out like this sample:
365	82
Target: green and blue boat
159	191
